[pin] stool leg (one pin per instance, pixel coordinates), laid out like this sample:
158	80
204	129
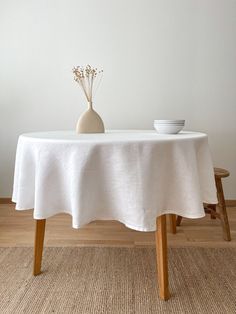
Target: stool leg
172	218
212	207
178	220
222	210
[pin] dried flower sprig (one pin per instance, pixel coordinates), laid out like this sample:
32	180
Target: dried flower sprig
85	77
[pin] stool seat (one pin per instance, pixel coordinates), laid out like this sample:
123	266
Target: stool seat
221	173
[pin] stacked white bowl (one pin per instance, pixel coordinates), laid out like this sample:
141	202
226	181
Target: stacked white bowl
169	126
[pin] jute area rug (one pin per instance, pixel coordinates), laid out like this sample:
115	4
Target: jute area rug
117	281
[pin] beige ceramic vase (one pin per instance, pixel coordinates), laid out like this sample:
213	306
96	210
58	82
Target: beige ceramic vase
90	122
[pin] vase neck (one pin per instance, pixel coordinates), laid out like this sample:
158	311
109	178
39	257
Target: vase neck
90	105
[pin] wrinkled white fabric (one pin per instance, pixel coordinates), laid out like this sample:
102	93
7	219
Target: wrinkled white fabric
129	176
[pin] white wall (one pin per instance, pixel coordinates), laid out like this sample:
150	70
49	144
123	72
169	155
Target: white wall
161	59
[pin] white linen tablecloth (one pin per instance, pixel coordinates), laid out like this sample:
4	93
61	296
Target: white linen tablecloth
129	176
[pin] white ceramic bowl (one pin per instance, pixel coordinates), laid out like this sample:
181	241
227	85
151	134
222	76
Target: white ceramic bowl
170	121
169	126
168	129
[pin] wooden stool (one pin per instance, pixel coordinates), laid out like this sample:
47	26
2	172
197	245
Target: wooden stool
211	208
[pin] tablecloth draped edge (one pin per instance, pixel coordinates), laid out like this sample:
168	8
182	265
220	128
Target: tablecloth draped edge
127	224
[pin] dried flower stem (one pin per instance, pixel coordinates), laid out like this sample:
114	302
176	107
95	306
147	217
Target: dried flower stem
85	77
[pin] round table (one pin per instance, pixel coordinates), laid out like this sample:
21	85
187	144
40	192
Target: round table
130	176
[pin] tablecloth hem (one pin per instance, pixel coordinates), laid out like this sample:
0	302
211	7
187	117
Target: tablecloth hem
212	202
149	228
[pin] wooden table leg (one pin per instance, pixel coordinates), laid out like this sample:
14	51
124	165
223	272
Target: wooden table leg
162	261
38	245
172	218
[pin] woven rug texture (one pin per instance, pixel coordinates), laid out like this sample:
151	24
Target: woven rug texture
117	280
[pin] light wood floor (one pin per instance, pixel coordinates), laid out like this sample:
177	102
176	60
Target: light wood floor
17	229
